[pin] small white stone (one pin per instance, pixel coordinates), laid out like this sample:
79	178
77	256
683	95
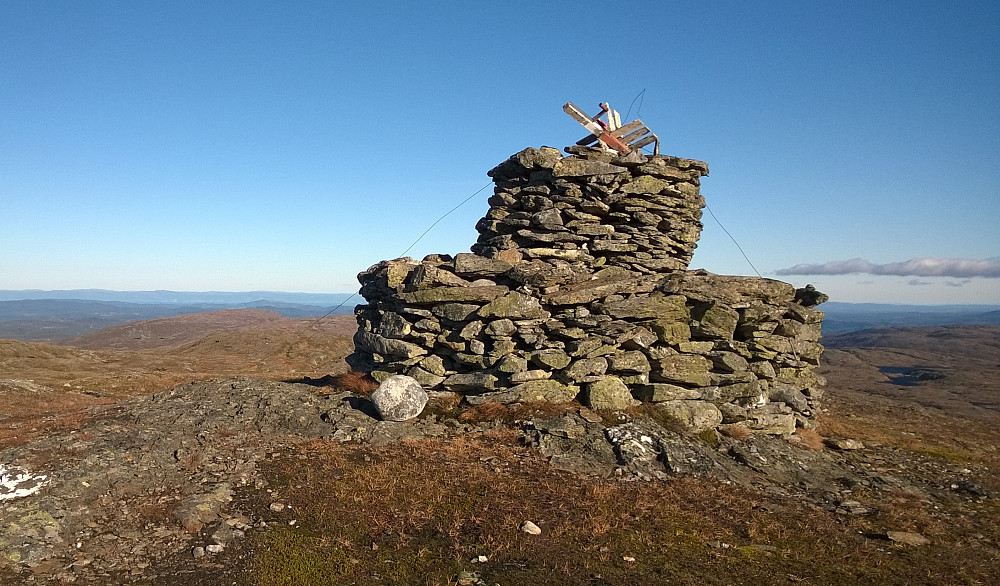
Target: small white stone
531	528
215	548
277	507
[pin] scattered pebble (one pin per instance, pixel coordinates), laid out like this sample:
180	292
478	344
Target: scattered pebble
198	552
628	559
466	578
907	538
277	507
215	548
531	528
480	559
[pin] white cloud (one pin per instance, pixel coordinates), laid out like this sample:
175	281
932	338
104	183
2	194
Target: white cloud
918	282
962	268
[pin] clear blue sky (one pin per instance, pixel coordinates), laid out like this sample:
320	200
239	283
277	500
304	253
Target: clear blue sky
288	146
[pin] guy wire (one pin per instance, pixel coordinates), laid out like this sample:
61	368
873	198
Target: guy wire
431	227
734	241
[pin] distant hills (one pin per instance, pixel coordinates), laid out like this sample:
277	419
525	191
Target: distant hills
58	315
35	315
853	317
228	298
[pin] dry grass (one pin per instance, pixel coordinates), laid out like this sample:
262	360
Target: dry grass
810	438
46	388
737	431
494	412
418	513
359	383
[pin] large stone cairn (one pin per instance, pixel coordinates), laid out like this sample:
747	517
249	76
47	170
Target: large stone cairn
578	288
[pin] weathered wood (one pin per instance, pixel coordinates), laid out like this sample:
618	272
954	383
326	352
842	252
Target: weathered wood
621	138
577	114
614	142
627	128
649	139
634	136
614	120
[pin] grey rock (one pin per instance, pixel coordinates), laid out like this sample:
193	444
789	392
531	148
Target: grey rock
399	398
907	538
682	369
388	346
456	312
551	391
693	415
479	266
476	382
660	392
629	362
789	395
501	327
584	367
844	444
608	394
654	307
427	276
424	378
453	294
574	167
551	359
513	305
529	375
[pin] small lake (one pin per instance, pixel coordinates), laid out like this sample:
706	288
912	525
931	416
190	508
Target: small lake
909	376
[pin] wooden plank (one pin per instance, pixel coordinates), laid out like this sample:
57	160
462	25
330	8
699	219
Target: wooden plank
627	128
614	142
634	136
645	141
591	139
614	120
578	115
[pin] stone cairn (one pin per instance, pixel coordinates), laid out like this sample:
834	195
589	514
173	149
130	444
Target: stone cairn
578	288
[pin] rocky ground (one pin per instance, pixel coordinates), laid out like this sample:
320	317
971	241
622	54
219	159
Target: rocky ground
155	489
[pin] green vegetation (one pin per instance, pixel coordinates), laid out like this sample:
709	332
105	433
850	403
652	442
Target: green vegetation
291	557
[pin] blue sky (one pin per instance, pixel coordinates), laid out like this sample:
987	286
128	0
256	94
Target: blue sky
288	146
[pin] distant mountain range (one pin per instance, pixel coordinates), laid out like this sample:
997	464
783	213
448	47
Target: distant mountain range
34	315
853	317
228	298
58	315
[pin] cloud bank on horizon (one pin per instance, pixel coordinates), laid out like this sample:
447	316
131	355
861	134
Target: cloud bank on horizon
918	267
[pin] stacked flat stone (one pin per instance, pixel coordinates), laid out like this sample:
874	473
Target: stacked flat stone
595	209
578	289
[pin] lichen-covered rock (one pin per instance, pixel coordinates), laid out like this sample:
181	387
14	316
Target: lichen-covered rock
684	369
513	305
692	415
608	394
551	391
399	398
